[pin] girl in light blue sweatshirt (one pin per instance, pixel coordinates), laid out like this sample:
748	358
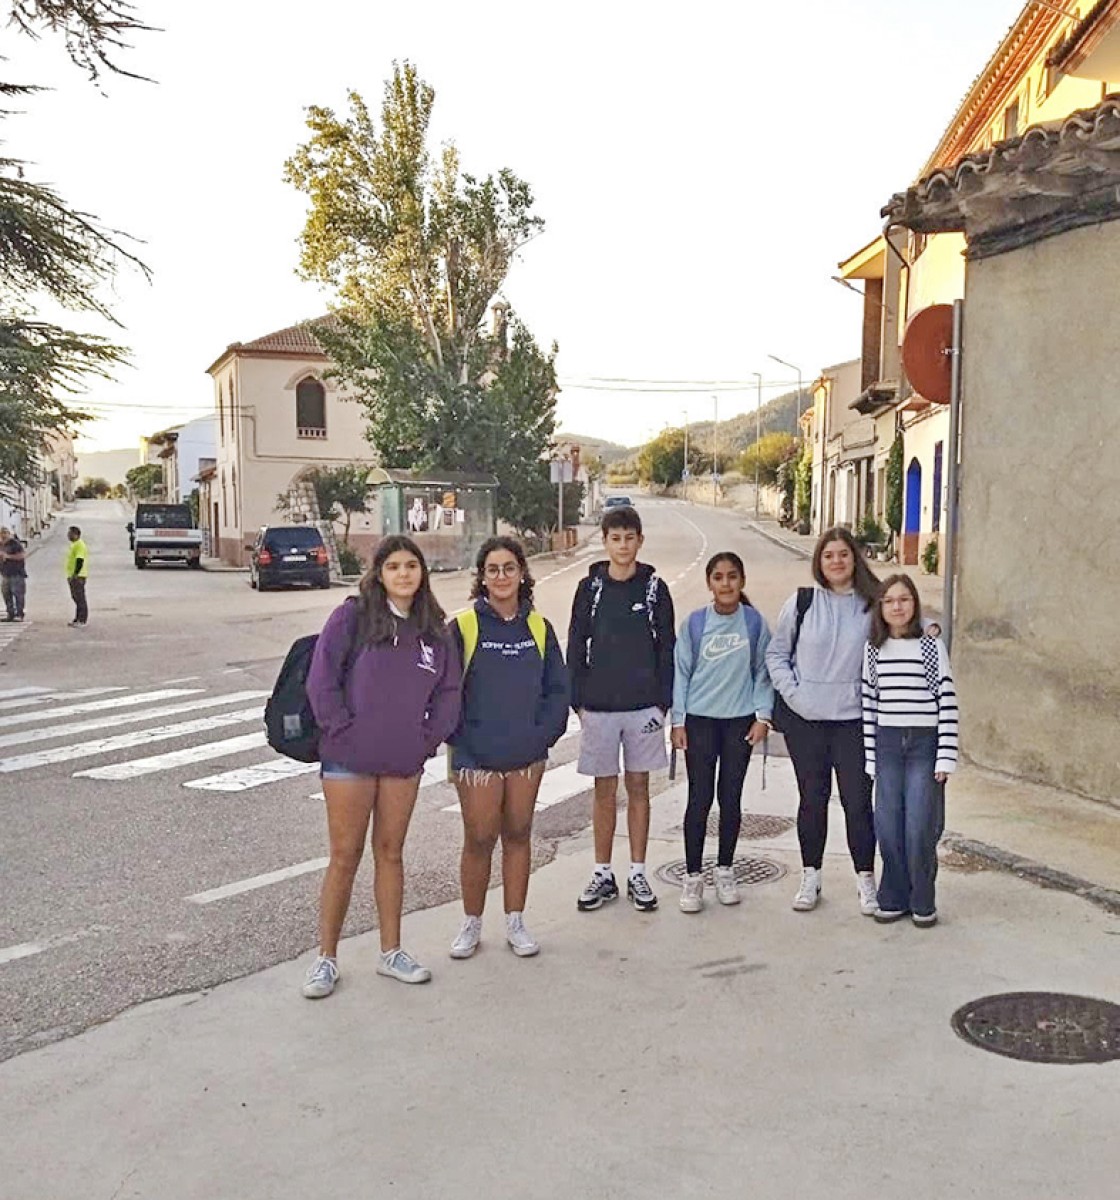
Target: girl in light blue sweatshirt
722	703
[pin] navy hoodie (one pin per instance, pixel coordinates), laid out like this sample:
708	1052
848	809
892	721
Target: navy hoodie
515	705
620	642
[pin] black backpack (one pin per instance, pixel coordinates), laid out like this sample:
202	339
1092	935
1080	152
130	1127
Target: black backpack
782	711
289	723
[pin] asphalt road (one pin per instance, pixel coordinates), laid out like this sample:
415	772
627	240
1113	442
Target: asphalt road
151	843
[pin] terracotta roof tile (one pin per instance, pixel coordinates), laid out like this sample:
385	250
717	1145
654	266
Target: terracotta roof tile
295	338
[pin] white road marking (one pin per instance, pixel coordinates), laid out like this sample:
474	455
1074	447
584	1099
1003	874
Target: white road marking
558	785
175	758
258	881
126	741
90	706
25	950
51	697
185	679
169	710
243	778
23	691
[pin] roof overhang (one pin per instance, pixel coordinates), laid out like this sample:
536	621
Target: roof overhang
868	263
1055	177
875	398
1092	51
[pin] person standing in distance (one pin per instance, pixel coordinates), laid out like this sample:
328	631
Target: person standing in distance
13	574
620	657
77	572
384	688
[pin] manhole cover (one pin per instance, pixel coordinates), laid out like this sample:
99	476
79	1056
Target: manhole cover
1042	1027
755	825
747	871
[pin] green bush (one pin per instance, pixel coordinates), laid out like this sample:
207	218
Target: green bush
930	557
869	532
350	562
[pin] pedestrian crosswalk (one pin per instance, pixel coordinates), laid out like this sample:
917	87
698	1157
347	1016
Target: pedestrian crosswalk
42	727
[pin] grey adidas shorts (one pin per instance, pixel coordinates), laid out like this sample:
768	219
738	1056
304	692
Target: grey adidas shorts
640	734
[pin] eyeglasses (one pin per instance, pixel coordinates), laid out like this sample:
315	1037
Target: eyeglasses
896	601
497	570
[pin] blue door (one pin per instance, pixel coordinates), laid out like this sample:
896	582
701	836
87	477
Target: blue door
913	522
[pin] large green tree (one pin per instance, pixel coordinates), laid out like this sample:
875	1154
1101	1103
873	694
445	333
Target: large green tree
51	253
416	252
768	454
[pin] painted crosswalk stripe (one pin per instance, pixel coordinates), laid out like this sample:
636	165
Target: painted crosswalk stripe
92	706
168	710
258	881
12	693
53	697
24	950
126	741
187	757
242	778
558	785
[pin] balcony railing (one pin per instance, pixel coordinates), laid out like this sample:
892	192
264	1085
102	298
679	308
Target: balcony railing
310	431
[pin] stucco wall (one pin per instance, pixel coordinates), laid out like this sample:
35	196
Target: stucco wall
1037	639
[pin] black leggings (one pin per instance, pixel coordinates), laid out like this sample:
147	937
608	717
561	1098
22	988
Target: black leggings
818	748
712	741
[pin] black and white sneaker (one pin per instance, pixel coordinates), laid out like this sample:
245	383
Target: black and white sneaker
640	893
601	889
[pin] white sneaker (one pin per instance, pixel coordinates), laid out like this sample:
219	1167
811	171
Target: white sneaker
468	938
322	975
521	941
810	890
399	964
727	889
692	897
868	893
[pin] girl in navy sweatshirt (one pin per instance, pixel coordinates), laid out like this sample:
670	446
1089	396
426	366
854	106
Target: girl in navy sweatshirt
515	706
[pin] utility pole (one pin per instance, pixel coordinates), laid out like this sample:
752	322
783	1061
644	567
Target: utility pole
715	454
757	437
684	472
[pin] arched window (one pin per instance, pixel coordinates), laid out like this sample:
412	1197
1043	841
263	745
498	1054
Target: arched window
311	409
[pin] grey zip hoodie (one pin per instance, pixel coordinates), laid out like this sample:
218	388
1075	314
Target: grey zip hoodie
823	681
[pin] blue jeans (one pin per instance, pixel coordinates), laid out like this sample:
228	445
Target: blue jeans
909	817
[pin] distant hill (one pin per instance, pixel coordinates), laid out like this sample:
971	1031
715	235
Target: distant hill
592	447
737	433
107	464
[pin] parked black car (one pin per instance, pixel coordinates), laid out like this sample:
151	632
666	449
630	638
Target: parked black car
285	554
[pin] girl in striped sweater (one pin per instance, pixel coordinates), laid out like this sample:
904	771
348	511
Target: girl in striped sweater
910	747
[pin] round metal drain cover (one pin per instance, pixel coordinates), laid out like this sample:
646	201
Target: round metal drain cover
748	871
755	825
1042	1027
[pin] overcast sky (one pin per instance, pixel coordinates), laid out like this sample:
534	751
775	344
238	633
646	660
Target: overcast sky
701	170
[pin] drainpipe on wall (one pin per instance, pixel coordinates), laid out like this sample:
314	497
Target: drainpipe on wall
952	482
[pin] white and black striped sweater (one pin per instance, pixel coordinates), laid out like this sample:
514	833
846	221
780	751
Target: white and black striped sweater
907	682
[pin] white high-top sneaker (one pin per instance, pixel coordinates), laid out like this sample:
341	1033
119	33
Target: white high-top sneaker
692	894
466	942
727	889
868	893
810	890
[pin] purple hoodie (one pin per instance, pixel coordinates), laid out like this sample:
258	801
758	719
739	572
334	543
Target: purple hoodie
399	702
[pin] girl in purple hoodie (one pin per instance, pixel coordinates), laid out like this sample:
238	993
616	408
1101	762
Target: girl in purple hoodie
384	688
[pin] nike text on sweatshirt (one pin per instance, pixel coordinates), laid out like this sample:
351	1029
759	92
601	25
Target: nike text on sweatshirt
726	675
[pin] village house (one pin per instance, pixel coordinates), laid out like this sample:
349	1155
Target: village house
29	510
278	416
1050	63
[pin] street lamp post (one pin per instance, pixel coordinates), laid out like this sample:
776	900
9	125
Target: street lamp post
757	437
715	454
783	362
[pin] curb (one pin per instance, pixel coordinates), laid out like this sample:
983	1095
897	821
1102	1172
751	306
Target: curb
1036	872
778	541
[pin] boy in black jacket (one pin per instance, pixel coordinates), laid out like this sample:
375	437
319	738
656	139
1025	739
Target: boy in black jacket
620	655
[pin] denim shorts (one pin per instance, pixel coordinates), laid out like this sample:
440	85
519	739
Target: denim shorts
332	770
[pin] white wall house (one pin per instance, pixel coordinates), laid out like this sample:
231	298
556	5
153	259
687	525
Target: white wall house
277	415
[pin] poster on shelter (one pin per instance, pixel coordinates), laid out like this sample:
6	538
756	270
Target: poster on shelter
416	516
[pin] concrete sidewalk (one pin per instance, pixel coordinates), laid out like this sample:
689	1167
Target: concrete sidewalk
742	1050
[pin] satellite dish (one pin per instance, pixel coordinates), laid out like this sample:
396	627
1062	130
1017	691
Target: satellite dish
925	352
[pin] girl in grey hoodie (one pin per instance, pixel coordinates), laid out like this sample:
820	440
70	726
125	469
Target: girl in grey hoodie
815	660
